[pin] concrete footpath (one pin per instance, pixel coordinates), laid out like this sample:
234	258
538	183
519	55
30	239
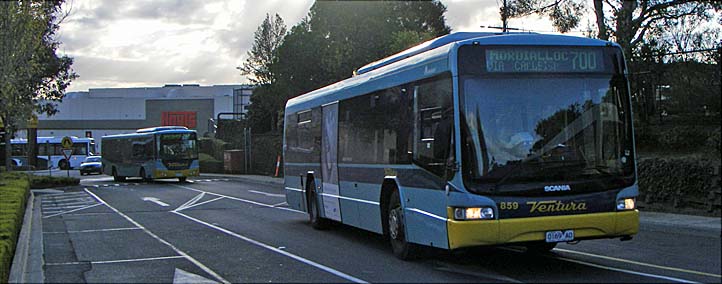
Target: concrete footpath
28	262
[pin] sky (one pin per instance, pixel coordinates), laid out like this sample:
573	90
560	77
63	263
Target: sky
139	43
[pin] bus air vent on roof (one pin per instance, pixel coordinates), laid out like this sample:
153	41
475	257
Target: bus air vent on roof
161	128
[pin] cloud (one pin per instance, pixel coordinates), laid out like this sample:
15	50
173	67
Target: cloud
150	43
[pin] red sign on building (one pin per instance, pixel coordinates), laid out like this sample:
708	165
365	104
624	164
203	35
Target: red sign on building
179	118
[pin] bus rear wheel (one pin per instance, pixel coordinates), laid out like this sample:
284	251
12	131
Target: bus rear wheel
116	177
397	230
182	179
314	216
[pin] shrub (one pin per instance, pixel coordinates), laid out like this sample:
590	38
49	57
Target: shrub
209	164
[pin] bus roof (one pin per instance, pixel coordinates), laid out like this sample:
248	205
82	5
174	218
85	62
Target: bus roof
423	61
146	132
52	139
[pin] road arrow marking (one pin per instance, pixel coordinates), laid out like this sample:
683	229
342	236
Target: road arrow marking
155	200
182	276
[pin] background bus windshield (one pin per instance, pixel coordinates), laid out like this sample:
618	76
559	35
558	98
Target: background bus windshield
178	146
545	128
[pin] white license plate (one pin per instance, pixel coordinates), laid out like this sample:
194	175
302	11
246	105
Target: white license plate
559	236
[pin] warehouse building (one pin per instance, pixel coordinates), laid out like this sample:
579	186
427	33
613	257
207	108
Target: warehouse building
106	111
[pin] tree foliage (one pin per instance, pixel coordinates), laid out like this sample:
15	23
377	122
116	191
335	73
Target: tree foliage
32	76
627	22
267	38
336	38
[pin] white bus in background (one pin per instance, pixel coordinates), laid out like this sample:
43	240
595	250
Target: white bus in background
82	148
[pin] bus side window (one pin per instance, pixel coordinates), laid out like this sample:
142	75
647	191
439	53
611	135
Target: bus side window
433	124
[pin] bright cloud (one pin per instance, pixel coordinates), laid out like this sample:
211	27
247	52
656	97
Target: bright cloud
151	43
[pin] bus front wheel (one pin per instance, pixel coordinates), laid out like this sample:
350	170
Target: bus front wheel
314	217
397	229
144	176
63	165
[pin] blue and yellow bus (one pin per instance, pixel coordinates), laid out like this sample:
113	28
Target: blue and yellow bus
151	153
471	139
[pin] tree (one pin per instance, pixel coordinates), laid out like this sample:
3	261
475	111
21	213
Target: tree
267	38
32	76
337	37
626	22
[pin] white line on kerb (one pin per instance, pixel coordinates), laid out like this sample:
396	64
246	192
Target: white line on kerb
274	249
178	251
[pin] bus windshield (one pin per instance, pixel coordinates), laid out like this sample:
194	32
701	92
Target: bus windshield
520	131
175	146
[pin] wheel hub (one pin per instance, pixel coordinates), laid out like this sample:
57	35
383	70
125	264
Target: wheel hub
394	223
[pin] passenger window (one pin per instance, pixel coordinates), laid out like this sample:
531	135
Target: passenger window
433	124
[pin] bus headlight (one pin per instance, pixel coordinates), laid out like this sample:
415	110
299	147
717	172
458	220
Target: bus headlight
475	213
625	204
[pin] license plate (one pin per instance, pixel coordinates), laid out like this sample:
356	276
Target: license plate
559	236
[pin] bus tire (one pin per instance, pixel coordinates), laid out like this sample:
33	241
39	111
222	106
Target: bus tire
144	176
397	229
116	177
182	179
63	164
540	247
317	222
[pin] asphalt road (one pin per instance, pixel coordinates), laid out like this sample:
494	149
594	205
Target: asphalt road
234	230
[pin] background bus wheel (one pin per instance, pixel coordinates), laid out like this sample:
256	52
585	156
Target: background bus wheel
143	175
63	165
397	231
182	179
540	247
314	217
116	177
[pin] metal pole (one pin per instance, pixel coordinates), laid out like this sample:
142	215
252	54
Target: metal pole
47	151
504	18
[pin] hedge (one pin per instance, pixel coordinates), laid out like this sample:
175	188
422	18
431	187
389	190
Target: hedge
14	190
48	181
677	181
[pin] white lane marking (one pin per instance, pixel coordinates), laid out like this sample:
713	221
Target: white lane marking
279	204
204	202
295	189
114	261
62	194
62	207
74	210
640	263
626	271
182	276
267	194
178	251
274	249
94	231
241	199
191	201
605	267
156	201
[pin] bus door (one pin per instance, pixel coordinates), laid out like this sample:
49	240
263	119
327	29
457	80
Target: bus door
329	159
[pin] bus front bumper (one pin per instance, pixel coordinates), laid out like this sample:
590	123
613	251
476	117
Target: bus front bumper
585	226
175	174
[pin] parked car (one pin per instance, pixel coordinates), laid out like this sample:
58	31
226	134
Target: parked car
91	164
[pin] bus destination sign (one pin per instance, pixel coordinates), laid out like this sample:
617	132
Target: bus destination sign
544	60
